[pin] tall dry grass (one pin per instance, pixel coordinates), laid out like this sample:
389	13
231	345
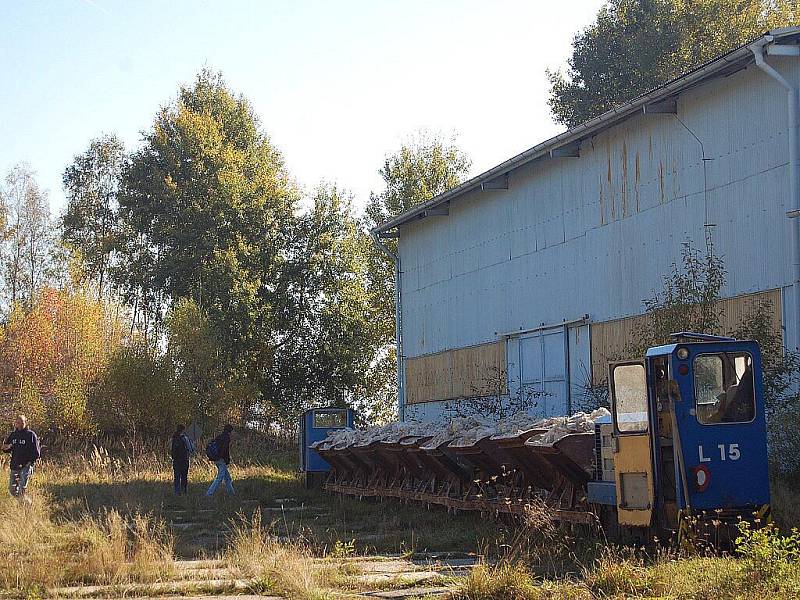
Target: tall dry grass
509	580
286	568
40	551
90	518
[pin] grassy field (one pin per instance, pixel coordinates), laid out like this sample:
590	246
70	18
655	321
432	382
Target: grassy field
289	512
111	518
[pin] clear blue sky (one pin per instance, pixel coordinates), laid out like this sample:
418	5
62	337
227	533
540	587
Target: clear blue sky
338	85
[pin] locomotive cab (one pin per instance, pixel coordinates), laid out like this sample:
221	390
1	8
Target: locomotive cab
688	436
315	425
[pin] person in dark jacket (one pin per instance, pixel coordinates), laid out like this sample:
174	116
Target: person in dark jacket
181	451
222	458
23	444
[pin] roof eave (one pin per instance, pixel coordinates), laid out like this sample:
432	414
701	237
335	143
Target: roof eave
742	55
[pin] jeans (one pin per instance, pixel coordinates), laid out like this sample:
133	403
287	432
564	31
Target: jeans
18	481
181	472
222	475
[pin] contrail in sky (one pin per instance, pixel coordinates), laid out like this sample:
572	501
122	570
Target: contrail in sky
97	6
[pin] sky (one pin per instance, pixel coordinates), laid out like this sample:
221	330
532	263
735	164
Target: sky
338	86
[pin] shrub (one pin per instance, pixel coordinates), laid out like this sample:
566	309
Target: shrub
67	410
765	553
136	394
343	549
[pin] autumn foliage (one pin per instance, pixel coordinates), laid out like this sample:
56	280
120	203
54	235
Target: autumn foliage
74	365
53	353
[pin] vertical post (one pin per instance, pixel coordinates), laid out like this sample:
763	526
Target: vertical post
567	379
794	222
398	329
793	131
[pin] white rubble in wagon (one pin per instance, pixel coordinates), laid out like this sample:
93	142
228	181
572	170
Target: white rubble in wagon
463	432
560	427
518	424
405	430
337	437
456	428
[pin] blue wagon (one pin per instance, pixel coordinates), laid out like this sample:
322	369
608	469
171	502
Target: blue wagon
314	426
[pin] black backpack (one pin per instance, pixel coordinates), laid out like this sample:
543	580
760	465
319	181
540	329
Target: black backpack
212	450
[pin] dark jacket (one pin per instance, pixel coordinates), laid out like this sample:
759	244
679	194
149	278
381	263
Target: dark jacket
24	447
180	449
224	445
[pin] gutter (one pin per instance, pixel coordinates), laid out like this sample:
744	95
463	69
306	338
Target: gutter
793	96
395	258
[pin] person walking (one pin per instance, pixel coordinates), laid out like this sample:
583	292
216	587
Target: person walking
219	451
23	444
181	451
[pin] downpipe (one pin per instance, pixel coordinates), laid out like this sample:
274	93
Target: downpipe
395	258
794	177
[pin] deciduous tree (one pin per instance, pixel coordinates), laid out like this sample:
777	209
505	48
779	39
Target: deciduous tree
636	45
424	167
91	183
333	352
207	209
28	240
54	351
212	389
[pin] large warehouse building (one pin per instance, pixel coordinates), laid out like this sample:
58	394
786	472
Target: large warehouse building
536	271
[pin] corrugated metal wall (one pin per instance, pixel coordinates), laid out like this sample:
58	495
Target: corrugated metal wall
612	339
595	234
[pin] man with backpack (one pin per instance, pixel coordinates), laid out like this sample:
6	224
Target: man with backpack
219	451
23	444
181	451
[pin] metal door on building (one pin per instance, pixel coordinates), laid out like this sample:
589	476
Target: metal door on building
543	360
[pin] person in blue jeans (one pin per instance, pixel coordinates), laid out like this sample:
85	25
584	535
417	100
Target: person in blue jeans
222	458
23	444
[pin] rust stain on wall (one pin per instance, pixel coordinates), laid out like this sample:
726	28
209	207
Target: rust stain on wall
624	187
602	203
610	179
636	181
661	181
675	186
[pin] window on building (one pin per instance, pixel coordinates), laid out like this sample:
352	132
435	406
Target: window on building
326	419
629	389
723	387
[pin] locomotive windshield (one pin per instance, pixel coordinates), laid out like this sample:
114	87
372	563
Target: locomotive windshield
629	387
723	384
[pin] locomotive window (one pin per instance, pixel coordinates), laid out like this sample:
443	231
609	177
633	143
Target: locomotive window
630	398
723	388
325	419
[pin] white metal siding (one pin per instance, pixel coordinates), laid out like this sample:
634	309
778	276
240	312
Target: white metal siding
595	234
